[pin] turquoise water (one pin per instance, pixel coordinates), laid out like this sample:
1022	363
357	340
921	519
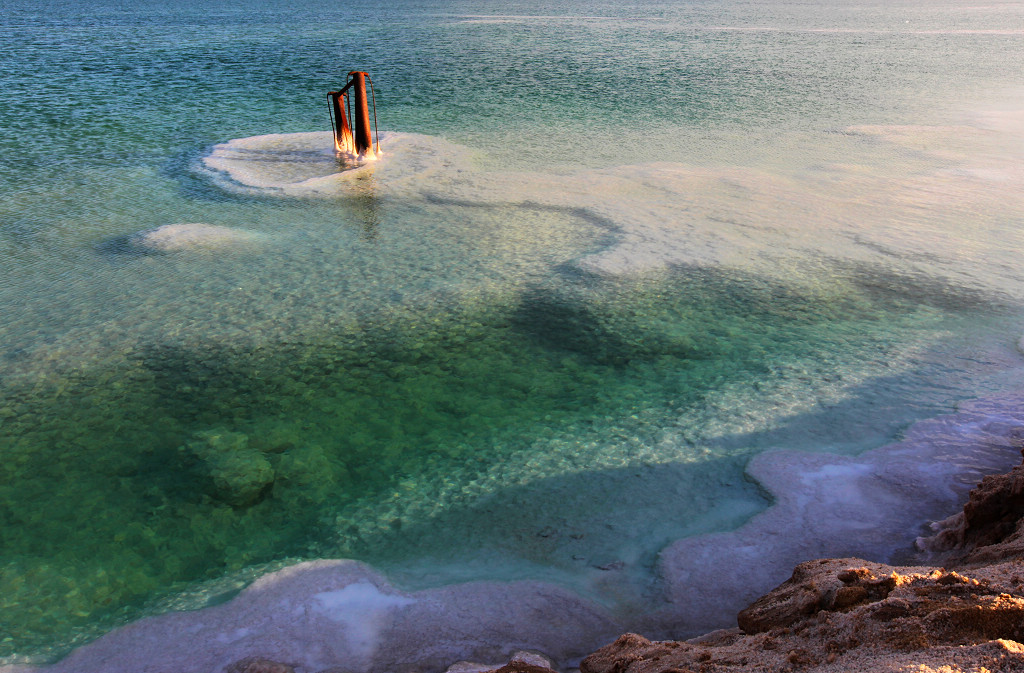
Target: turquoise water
607	256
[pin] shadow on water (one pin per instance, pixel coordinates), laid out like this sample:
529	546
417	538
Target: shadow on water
604	528
125	247
559	324
892	289
183	462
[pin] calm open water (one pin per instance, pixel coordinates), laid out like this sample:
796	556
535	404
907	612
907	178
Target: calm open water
608	255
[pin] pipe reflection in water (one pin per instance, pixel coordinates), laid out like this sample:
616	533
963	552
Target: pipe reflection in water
366	205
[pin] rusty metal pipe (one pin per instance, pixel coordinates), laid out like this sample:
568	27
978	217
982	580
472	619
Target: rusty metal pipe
361	114
343	142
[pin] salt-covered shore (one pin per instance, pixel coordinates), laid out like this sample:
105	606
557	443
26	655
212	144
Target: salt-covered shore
342	615
852	615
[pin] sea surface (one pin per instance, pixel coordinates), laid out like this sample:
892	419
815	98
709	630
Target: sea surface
610	252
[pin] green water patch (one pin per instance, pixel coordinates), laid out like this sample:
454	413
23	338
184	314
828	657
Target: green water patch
174	463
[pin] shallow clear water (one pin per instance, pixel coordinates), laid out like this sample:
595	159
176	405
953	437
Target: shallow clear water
608	255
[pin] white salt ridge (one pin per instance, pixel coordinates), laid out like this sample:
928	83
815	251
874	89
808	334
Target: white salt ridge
909	216
872	506
328	613
320	614
275	161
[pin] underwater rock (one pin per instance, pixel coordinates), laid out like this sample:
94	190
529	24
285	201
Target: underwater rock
240	474
189	236
309	469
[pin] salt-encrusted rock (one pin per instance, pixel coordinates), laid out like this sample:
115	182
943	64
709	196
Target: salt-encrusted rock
991	526
191	235
625	652
469	667
827	584
532	658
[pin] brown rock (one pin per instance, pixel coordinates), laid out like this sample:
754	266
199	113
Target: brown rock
516	666
851	615
991	526
829	584
617	657
846	597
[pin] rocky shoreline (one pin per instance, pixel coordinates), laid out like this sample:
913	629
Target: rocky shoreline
852	615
